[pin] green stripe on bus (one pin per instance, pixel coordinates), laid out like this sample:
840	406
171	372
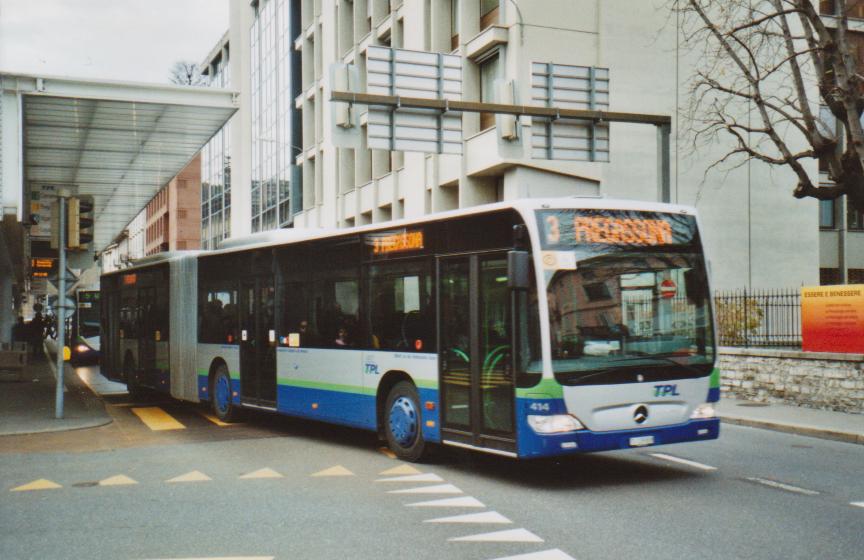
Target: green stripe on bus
326	386
549	388
715	379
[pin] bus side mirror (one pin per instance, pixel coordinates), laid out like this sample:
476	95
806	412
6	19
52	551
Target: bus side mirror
518	270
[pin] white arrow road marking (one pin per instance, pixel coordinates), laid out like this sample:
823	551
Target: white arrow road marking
119	480
482	517
262	473
554	554
401	469
427	477
437	489
787	487
194	476
857	504
510	535
466	501
687	462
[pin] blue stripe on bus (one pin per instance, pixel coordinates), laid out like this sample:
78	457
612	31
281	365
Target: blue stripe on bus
350	409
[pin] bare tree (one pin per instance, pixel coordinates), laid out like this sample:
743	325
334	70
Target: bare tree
782	80
186	73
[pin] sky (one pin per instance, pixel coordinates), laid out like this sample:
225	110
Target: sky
128	40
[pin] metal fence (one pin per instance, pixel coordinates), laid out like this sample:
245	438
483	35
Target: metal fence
766	318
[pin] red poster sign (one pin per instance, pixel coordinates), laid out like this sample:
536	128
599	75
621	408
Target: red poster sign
832	319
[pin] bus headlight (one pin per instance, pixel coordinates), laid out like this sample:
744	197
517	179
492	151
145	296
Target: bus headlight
554	424
703	412
82	348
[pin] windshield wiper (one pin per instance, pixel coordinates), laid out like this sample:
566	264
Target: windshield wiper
638	355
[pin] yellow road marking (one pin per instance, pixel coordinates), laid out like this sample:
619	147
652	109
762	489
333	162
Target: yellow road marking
338	470
214	419
194	476
157	419
119	480
262	473
387	452
401	469
41	484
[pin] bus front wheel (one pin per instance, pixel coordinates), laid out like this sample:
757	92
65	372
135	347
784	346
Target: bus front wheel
402	422
221	395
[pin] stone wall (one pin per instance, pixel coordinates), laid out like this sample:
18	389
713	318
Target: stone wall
815	380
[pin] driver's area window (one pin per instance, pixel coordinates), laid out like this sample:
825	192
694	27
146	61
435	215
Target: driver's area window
400	309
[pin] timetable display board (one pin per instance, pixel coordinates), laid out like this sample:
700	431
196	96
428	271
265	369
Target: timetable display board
832	318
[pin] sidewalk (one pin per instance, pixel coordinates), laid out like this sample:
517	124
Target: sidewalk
823	424
27	404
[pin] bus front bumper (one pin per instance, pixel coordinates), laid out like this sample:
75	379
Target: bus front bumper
533	445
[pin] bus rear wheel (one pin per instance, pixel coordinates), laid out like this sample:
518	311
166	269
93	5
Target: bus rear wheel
221	393
402	422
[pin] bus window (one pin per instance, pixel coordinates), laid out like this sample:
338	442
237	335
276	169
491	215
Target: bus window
217	316
335	313
400	315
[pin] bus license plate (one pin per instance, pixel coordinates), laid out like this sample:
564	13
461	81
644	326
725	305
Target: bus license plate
641	441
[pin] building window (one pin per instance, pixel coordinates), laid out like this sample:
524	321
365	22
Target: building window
826	214
488	75
488	13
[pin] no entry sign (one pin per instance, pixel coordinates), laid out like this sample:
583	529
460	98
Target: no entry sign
668	289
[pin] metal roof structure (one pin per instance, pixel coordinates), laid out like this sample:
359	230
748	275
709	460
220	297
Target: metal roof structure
119	142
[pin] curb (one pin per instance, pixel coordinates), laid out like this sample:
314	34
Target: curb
810	431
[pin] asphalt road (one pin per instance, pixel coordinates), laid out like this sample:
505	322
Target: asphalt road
282	488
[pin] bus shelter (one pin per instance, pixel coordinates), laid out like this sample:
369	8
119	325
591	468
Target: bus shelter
117	142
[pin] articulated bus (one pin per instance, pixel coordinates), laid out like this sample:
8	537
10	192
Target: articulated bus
527	329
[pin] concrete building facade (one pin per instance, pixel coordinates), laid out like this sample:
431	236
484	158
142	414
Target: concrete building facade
172	217
286	169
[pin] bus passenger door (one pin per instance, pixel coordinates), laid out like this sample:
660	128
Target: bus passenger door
146	336
476	380
257	342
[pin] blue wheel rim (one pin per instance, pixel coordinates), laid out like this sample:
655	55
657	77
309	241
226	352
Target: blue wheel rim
223	393
403	421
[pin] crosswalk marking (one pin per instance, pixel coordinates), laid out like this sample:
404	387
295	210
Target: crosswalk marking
41	484
464	501
194	476
338	470
401	469
262	473
554	554
423	477
687	462
119	480
436	489
157	419
482	517
508	535
215	420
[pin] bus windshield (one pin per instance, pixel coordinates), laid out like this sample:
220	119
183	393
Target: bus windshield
88	314
627	291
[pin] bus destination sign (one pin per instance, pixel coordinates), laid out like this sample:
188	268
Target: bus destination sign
609	227
396	242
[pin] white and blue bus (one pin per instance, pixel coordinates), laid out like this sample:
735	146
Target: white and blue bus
527	329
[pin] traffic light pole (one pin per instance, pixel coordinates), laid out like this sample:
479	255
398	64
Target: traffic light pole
61	303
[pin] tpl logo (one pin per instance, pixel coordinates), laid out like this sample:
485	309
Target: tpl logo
370	368
666	391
